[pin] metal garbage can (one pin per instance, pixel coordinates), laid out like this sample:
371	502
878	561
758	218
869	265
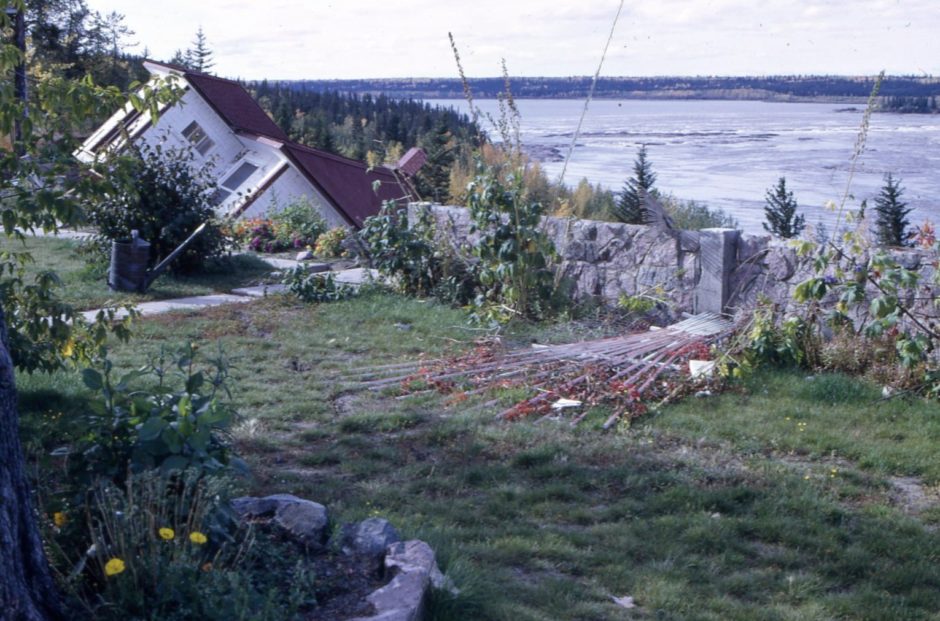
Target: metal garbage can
129	258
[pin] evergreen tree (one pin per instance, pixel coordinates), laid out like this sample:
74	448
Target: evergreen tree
433	179
199	56
179	58
891	224
630	208
780	212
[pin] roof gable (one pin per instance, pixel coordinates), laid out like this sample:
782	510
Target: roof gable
230	100
348	184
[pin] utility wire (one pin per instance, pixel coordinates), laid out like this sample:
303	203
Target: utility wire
590	96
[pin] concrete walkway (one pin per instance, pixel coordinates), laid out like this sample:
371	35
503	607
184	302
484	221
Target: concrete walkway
354	277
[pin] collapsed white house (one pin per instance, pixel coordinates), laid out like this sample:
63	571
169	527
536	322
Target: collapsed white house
255	165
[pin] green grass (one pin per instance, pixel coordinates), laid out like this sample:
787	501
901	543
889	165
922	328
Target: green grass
711	509
85	286
818	417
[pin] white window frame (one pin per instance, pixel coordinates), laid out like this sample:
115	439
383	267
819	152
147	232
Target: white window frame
223	192
198	137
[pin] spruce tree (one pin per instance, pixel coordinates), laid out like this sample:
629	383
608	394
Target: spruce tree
630	208
433	179
780	212
199	56
891	224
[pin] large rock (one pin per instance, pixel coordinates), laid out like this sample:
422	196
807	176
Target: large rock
305	520
370	537
403	598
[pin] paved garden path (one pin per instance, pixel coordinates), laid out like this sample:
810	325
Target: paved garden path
353	277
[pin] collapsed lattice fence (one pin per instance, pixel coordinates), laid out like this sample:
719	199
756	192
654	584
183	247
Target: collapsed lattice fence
624	372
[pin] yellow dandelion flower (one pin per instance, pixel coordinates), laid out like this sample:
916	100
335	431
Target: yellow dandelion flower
114	567
197	538
68	348
166	534
59	519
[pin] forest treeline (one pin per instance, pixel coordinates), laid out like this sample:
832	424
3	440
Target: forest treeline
710	87
354	125
910	105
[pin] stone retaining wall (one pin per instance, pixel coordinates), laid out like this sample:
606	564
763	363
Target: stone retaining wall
603	259
710	270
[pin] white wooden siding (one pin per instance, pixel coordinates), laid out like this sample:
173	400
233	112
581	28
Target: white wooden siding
289	187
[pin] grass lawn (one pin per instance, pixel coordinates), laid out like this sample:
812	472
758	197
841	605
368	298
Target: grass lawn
778	501
85	286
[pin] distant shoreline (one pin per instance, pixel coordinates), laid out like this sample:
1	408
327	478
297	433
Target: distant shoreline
842	90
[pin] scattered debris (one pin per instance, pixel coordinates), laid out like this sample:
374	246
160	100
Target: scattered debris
621	371
701	368
624	602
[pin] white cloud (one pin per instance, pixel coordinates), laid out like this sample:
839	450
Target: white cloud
375	38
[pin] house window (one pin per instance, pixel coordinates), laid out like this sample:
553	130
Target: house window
196	135
233	182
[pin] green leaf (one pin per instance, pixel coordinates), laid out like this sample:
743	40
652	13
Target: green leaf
92	379
175	462
882	306
194	382
151	429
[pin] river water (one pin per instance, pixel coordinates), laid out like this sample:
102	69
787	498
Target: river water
728	153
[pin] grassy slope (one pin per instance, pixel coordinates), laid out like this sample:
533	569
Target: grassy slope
713	509
86	286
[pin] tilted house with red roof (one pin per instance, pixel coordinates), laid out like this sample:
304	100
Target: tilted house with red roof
257	168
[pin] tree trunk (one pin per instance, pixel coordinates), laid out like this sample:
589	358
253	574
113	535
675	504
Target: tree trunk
27	590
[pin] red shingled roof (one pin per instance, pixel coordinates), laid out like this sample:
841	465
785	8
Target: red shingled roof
347	184
231	101
344	182
235	105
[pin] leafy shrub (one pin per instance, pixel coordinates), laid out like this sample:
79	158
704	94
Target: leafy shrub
163	195
170	548
636	303
330	243
787	342
300	222
174	425
411	257
43	332
515	255
296	226
692	216
316	287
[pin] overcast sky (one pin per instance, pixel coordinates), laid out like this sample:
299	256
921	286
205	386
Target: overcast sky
296	39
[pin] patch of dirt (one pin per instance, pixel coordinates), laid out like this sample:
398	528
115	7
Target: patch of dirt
334	584
342	584
343	403
297	365
912	496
